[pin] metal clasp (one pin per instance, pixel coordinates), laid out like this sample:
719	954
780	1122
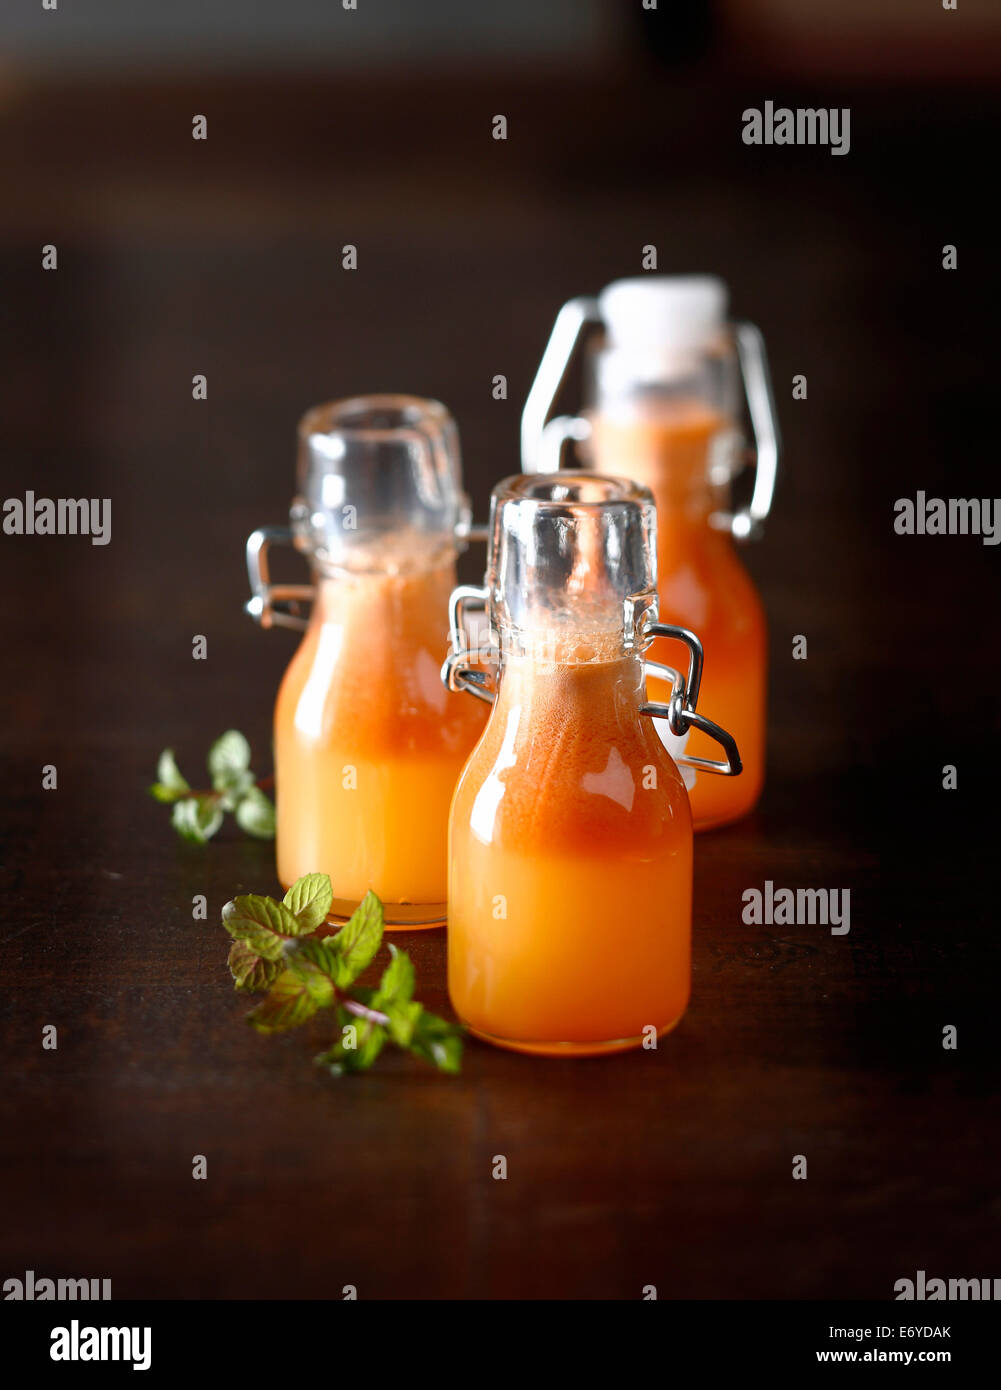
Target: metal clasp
454	675
543	440
274	605
560	432
680	712
572	322
280	605
747	524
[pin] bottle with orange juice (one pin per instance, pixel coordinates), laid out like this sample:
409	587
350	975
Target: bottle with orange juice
570	836
667	381
367	743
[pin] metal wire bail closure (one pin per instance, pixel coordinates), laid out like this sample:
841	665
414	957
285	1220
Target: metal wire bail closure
274	605
543	441
456	676
680	711
747	524
572	322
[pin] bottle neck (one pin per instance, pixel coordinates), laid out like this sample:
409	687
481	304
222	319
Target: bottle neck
384	606
683	451
387	551
597	686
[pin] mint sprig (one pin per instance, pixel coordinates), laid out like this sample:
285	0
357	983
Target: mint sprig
197	815
276	949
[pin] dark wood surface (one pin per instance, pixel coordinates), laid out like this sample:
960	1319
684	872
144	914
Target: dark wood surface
670	1168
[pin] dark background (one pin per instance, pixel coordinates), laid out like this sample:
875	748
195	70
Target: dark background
223	257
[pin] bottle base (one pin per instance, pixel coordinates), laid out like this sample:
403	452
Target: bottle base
397	916
570	1049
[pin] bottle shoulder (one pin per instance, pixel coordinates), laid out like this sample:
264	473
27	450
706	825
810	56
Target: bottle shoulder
538	784
374	695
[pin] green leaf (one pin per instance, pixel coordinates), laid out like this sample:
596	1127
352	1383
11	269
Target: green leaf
249	970
371	1040
358	940
169	773
169	784
317	982
394	997
321	952
287	1004
262	923
310	898
159	791
255	814
197	818
439	1042
404	1016
356	1049
232	792
229	761
398	979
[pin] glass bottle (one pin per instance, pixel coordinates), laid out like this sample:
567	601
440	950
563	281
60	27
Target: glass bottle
665	386
570	837
367	744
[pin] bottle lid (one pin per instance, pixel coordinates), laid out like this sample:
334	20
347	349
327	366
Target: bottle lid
380	483
572	556
683	312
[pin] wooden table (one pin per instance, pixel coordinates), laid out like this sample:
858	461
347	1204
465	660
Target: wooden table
671	1168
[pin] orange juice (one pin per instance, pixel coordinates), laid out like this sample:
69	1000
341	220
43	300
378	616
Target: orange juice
368	743
702	585
570	853
668	381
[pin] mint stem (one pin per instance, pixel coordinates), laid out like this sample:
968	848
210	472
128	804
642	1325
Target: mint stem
262	782
361	1010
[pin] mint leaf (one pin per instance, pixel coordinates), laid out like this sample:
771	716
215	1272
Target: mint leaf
315	981
234	788
229	760
404	1016
249	970
358	940
255	814
394	997
439	1042
169	773
371	1040
322	953
356	1049
288	1003
310	898
232	791
274	949
230	754
262	923
398	979
196	818
169	784
184	819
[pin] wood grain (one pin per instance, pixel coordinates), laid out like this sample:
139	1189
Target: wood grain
670	1168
